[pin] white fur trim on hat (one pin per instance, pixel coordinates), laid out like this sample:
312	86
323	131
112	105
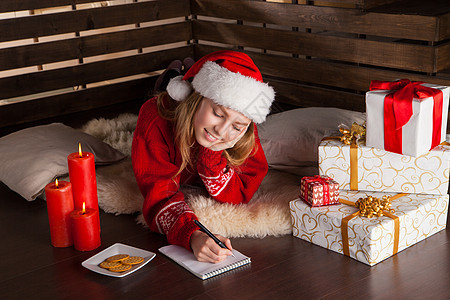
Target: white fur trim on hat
179	89
241	93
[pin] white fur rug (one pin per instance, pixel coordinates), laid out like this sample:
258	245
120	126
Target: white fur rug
266	214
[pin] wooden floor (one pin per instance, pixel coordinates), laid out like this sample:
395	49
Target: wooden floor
282	267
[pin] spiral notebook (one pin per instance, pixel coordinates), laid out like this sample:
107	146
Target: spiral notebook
203	270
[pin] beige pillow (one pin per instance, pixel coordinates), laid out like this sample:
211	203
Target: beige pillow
290	139
33	157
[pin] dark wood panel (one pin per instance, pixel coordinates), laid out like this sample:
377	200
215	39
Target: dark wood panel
78	119
81	100
18	5
436	8
394	55
444	30
345	76
42	81
87	19
414	27
443	57
338	2
79	47
351	77
367	4
306	96
415	7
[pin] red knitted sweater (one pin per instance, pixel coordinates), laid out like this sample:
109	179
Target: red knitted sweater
156	159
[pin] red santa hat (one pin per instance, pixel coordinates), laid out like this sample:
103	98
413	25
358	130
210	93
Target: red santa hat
229	78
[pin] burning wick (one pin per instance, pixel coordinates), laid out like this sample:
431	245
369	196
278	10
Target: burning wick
56	183
84	208
79	150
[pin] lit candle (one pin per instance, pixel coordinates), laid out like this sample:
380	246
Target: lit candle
82	176
59	206
86	233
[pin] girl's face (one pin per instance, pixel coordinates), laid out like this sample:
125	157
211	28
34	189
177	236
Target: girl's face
215	124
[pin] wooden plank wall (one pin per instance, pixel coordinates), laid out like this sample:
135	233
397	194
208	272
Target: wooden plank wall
322	55
64	56
79	54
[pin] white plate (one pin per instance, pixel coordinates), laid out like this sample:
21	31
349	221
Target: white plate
93	262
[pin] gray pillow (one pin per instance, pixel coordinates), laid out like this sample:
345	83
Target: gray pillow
33	157
290	139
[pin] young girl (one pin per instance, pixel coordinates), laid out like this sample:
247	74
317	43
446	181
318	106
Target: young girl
201	131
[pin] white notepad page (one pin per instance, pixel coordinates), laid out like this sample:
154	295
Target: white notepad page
203	270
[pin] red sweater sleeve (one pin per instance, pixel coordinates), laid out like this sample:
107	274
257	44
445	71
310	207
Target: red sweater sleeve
229	184
164	209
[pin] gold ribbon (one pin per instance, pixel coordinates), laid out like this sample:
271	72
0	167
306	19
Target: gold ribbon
354	166
345	220
351	137
353	161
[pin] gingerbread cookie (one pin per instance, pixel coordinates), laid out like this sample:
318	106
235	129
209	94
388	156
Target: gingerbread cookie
121	268
132	260
108	264
117	257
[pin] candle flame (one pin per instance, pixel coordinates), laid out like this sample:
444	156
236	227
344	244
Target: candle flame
79	150
56	182
84	208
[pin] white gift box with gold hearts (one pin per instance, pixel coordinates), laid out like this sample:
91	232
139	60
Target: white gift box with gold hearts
370	240
368	169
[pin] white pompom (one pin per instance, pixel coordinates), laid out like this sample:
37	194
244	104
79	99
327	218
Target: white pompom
179	89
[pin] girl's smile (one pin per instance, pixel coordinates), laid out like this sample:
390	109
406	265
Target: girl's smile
209	136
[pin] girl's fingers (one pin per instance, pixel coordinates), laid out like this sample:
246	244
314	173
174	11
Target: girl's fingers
213	252
208	255
205	249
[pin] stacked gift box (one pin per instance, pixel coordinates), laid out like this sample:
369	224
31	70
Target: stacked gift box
393	178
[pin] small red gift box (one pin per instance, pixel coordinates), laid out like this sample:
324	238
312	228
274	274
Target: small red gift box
319	190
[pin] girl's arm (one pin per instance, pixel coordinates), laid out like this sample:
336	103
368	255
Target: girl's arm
164	209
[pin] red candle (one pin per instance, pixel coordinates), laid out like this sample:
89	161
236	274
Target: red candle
59	206
85	229
82	176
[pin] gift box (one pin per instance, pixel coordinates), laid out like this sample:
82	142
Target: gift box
343	229
319	190
406	117
358	167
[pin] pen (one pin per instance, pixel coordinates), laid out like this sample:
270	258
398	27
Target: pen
205	230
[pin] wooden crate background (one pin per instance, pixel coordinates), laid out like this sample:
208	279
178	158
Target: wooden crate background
87	54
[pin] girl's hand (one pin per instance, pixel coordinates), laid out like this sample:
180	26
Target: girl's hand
206	250
229	144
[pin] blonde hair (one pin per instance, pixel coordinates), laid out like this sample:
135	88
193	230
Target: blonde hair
182	115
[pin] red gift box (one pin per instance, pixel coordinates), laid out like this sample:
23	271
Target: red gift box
319	190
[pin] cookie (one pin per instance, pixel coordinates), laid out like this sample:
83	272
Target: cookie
132	260
121	268
108	264
117	257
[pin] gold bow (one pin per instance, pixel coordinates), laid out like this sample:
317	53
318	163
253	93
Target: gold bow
373	206
385	204
356	133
